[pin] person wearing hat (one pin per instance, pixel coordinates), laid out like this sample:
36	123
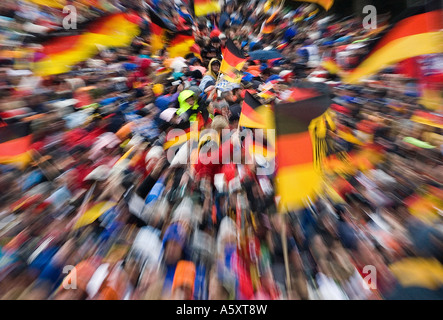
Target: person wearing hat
223	40
234	115
184	279
174	248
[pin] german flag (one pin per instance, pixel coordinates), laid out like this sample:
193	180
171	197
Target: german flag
233	58
326	4
331	66
15	142
267	94
427	118
262	147
432	97
271	23
205	7
181	43
61	53
58	4
233	76
282	45
416	32
300	129
179	140
158	32
250	116
195	49
424	206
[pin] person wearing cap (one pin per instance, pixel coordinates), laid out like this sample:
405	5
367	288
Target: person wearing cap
97	178
184	279
141	74
234	115
223	40
174	248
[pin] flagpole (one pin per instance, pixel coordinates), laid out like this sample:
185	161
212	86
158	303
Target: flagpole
33	154
82	209
215	86
284	240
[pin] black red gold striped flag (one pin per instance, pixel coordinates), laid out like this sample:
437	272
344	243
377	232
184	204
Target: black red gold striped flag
181	43
158	31
15	142
299	148
233	58
331	66
61	53
418	31
249	116
205	7
270	24
325	4
178	140
233	75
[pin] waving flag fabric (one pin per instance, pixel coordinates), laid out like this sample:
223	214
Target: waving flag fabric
15	142
326	4
58	4
60	54
418	32
181	43
158	29
300	127
250	116
233	62
205	7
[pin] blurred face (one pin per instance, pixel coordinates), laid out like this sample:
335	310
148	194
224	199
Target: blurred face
225	112
277	222
216	290
132	268
229	96
173	252
215	67
190	100
182	293
233	124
